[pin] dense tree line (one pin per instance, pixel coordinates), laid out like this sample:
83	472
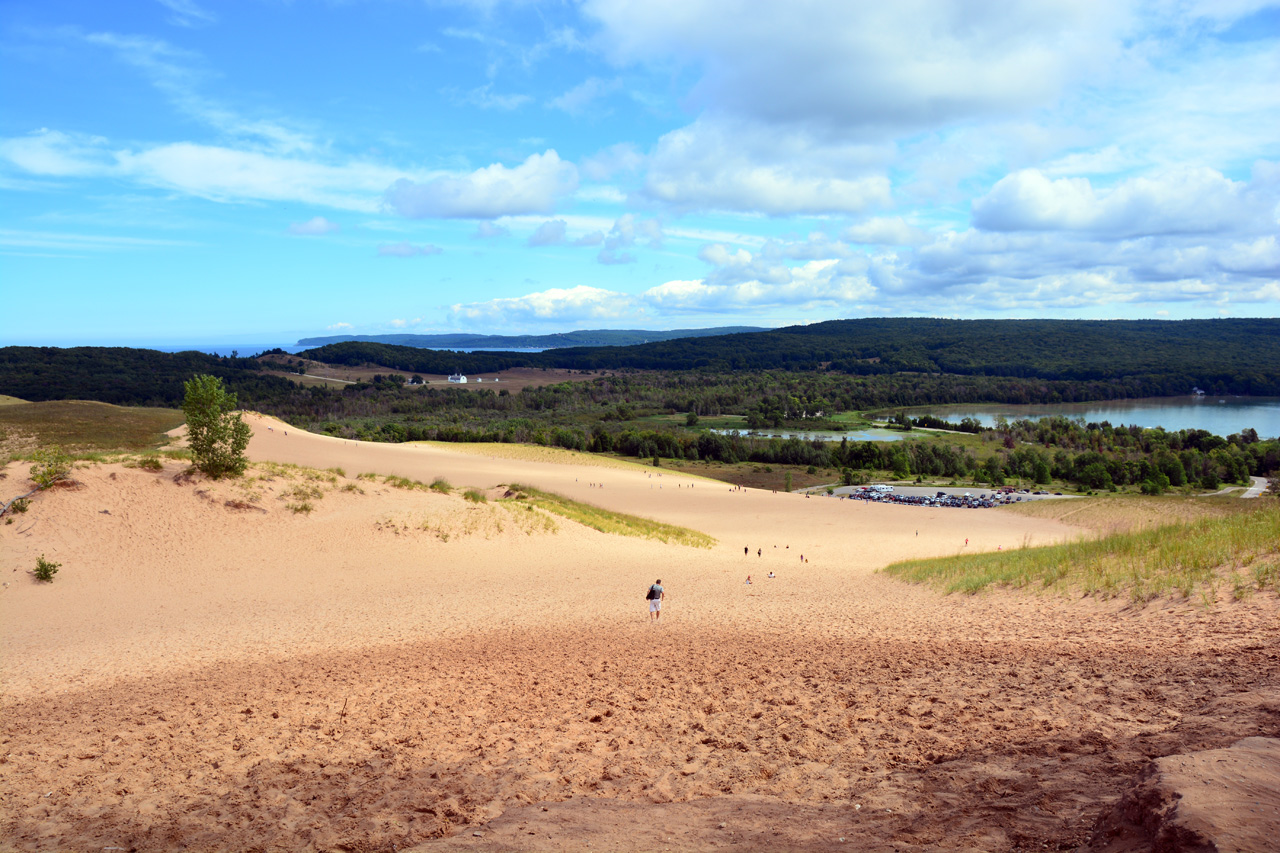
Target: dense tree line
1150	357
126	377
608	413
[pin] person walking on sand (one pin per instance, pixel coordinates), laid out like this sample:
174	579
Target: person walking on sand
655	595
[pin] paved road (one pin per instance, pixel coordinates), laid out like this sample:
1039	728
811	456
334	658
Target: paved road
1259	486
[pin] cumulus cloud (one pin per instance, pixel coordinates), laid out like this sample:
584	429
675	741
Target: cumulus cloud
814	286
550	233
887	231
737	267
623	235
591	238
489	231
1185	201
489	192
719	165
604	164
314	227
867	68
557	305
405	249
339	327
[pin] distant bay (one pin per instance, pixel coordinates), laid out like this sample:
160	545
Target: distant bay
1219	415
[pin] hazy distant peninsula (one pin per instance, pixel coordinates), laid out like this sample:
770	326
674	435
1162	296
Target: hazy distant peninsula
581	338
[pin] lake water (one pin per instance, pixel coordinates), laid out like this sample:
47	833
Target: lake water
1219	415
852	435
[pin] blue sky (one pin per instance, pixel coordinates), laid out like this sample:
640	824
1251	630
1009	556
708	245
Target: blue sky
191	171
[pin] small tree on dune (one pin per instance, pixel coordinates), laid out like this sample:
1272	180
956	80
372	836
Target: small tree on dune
217	435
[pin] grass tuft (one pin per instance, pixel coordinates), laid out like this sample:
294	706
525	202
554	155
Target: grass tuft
1175	558
607	521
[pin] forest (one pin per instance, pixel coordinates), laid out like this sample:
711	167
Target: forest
1149	357
809	377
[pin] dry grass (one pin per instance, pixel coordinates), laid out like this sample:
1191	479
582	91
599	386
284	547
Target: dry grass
607	521
80	425
1186	557
1124	513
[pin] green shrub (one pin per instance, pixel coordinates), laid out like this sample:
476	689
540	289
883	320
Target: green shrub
440	484
52	465
474	496
45	570
300	506
21	505
151	463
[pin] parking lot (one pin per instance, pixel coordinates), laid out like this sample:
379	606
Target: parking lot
954	496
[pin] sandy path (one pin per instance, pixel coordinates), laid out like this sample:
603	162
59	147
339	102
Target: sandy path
398	665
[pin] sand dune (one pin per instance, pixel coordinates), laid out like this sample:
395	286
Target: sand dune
213	670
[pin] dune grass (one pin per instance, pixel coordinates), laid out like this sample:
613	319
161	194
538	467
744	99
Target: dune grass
607	521
80	425
1242	549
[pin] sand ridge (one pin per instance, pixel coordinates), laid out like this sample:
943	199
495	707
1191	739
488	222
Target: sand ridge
211	669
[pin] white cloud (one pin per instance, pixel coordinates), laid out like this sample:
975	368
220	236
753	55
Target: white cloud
208	171
737	267
604	164
556	305
736	166
486	99
64	241
580	97
339	327
550	233
175	73
865	67
626	230
313	227
54	154
489	231
887	231
532	187
405	249
224	174
814	286
186	13
1185	201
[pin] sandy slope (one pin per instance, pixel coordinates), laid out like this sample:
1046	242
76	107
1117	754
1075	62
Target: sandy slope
213	670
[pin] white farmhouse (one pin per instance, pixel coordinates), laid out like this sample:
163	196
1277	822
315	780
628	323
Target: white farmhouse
458	379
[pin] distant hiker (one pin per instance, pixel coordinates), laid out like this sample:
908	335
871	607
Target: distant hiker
654	596
748	580
746	549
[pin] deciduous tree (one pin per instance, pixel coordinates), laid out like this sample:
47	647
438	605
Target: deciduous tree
217	435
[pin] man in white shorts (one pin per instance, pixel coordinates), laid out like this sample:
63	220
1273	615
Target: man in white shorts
655	596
